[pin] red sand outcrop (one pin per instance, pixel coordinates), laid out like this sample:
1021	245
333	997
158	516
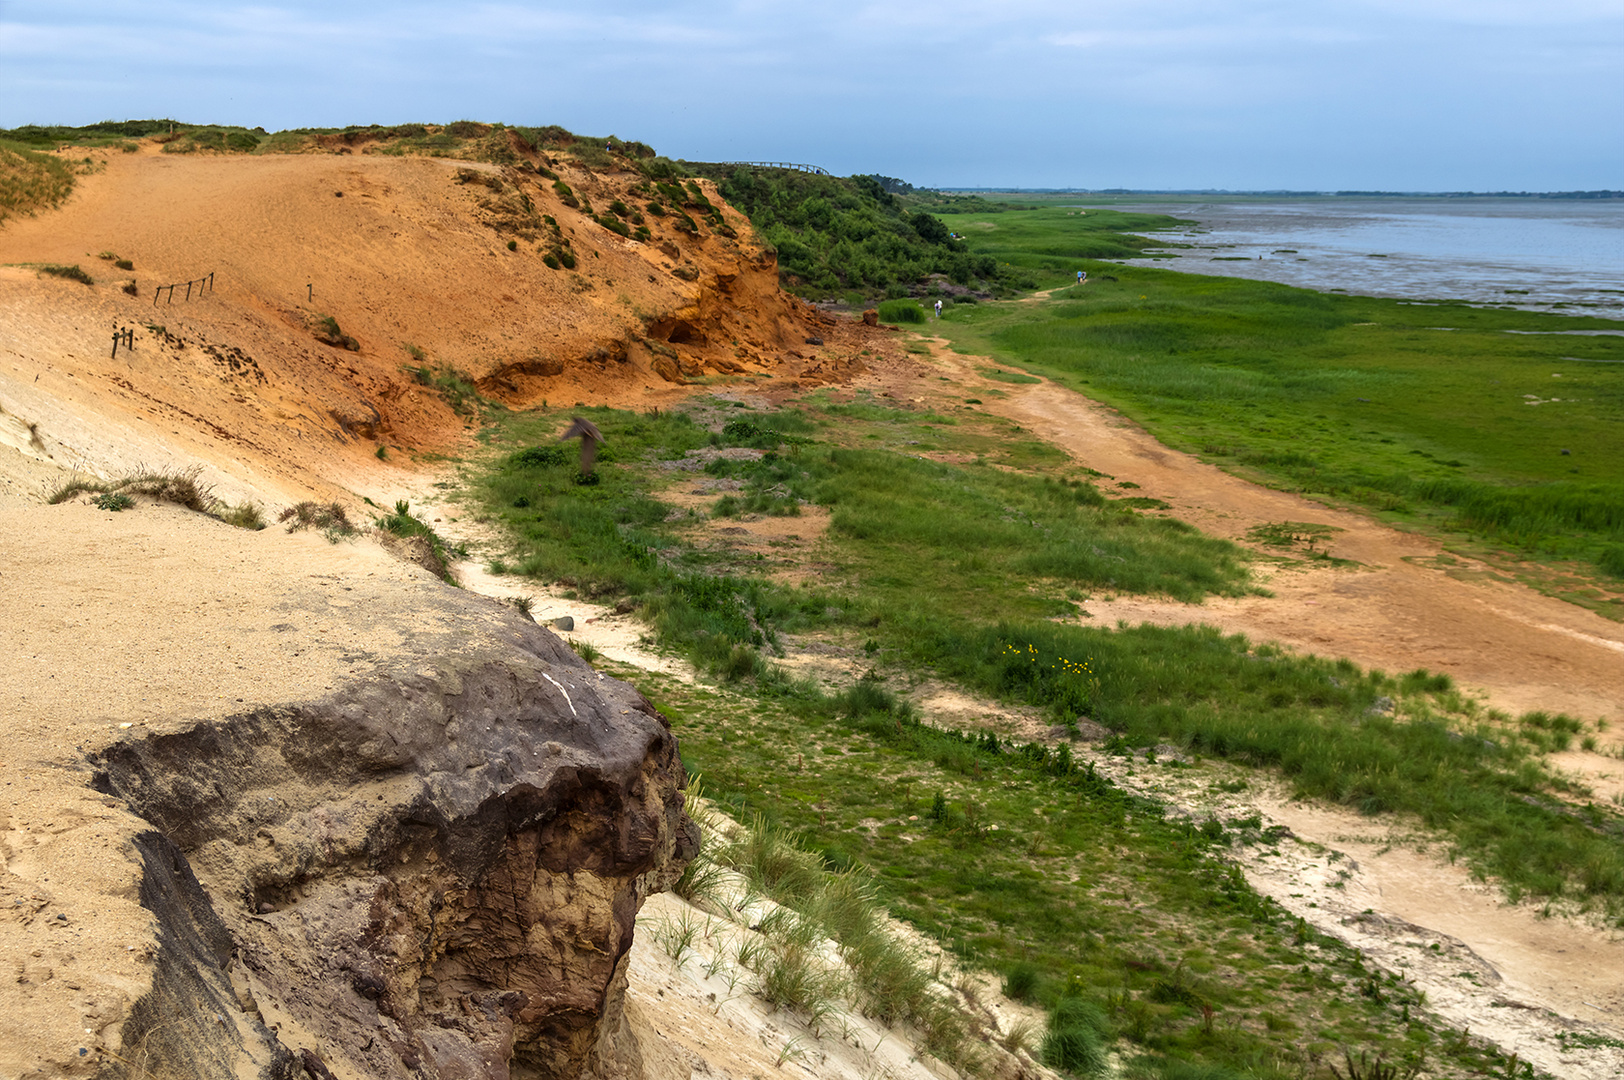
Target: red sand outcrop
410	258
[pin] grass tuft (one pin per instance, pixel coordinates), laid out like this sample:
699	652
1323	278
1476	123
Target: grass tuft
330	518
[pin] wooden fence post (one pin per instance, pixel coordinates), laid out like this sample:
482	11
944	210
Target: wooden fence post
188	290
116	336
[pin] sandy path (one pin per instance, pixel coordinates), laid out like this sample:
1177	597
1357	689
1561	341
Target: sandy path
1524	650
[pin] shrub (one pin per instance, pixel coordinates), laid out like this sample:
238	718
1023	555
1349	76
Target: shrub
113	501
543	457
901	311
551	260
124	264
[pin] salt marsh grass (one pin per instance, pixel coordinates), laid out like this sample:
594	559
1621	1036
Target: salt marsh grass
1510	438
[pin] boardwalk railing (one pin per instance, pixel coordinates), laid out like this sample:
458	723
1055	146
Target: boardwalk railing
817	170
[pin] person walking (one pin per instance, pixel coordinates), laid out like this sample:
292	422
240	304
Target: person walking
1082	276
938	309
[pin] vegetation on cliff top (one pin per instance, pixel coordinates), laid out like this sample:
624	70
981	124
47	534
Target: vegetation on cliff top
31	181
858	238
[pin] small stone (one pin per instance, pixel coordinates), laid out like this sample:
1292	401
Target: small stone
564	622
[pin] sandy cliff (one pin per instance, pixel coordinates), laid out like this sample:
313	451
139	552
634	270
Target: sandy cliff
274	804
409	256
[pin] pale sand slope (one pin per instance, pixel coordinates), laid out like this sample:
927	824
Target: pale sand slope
136	623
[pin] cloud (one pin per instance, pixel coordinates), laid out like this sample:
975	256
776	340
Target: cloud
1040	92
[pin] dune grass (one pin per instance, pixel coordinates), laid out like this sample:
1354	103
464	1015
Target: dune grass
31	181
1131	927
882	974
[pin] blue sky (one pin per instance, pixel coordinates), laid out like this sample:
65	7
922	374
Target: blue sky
1244	94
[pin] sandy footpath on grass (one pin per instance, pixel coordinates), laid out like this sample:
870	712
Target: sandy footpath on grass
1394	611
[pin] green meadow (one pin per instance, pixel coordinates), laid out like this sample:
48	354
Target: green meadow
951	545
1482	423
957	548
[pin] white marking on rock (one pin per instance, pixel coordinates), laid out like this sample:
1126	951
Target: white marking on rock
563	691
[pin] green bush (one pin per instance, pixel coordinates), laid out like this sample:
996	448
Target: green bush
1076	1039
113	500
901	311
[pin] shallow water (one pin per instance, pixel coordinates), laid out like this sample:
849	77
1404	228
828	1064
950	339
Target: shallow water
1540	254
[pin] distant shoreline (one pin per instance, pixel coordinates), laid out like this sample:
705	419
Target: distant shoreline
1208	193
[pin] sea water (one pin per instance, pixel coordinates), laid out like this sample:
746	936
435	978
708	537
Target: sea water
1562	255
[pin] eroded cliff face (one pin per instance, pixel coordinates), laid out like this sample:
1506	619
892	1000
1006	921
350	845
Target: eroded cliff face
349	291
429	868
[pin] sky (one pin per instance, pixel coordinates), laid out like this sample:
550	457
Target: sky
1397	95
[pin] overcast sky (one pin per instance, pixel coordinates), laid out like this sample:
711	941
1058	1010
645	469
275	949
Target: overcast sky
1239	94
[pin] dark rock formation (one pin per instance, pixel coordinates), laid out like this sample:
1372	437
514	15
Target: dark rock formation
433	872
